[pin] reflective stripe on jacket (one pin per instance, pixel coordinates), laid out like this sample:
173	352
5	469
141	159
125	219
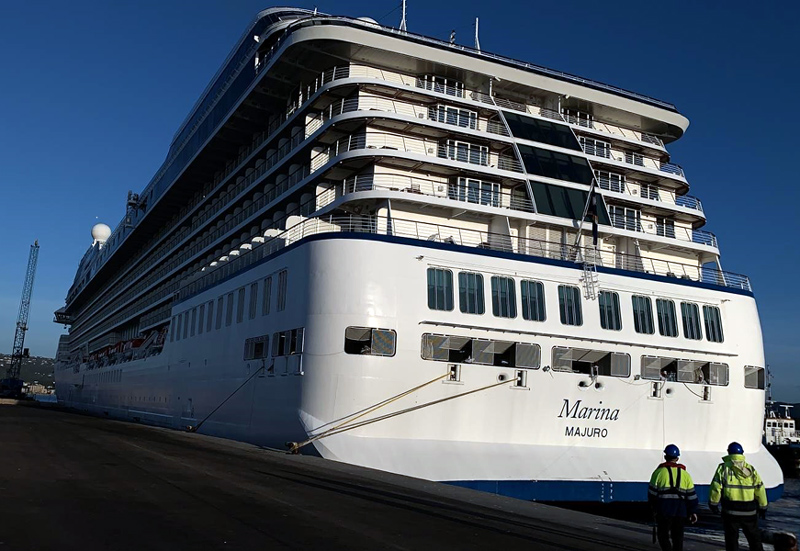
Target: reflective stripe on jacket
671	492
738	487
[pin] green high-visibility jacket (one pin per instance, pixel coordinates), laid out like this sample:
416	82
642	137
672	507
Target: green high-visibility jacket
738	487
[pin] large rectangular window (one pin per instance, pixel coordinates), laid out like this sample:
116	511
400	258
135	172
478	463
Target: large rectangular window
569	305
456	349
565	202
504	299
665	227
642	315
691	321
193	326
209	315
180	325
667	320
283	284
201	319
536	130
220	303
611	181
229	310
532	300
453	115
370	341
754	377
253	300
470	293
186	324
465	152
625	218
713	322
440	289
240	306
610	317
596	147
552	164
267	296
475	191
591	362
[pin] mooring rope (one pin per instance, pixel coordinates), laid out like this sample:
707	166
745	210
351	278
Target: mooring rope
196	427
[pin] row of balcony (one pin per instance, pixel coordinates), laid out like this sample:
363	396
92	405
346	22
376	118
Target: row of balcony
426	232
604	150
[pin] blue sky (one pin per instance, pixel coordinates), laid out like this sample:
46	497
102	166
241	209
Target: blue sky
94	90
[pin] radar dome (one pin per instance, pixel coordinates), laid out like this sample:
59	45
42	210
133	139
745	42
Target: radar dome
101	233
369	20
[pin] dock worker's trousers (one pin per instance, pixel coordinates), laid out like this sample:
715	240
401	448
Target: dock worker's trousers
748	524
670	527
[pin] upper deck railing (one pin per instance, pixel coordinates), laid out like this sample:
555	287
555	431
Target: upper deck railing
427	232
631	158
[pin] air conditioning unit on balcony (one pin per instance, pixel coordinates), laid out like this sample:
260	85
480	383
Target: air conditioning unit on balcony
421	115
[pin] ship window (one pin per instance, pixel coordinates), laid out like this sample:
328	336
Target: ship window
283	283
611	181
754	377
287	343
440	289
470	293
370	341
642	314
229	310
609	311
201	319
186	324
475	191
713	322
456	349
532	300
172	330
267	296
565	202
624	218
441	85
691	321
552	164
596	147
295	341
580	118
591	362
253	300
465	152
665	227
650	191
219	311
256	348
569	305
656	368
504	299
193	322
634	158
240	306
542	131
210	315
667	320
453	115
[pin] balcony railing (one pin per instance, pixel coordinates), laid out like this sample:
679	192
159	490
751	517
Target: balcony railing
650	191
426	232
611	128
629	157
664	230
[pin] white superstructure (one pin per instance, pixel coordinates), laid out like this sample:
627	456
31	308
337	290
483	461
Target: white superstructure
380	242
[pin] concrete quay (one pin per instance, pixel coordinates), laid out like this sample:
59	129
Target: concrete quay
70	481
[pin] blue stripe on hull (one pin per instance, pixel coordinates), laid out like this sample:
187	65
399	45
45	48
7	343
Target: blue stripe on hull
578	490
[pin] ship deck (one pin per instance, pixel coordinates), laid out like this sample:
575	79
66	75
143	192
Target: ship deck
76	482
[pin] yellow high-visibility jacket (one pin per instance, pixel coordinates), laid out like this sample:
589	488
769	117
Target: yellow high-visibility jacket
738	487
671	492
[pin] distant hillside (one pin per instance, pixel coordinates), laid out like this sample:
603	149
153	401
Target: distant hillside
34	370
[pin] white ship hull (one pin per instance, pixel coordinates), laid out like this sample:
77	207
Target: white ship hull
561	436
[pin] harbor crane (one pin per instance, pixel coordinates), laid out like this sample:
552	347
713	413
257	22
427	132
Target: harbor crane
12	384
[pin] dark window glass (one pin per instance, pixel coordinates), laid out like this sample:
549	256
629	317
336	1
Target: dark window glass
665	227
504	299
667	320
440	289
691	321
713	321
611	181
532	300
569	305
552	164
609	311
470	293
565	202
642	315
537	130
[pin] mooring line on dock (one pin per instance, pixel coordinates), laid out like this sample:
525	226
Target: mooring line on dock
344	427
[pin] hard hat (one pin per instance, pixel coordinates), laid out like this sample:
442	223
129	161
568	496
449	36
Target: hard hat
672	451
735	448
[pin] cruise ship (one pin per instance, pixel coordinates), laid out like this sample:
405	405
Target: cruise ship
411	255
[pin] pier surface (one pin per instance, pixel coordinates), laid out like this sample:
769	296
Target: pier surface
70	481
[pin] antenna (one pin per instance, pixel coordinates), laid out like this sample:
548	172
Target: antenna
403	19
453	36
477	42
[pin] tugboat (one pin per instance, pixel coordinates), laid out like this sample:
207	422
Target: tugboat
782	439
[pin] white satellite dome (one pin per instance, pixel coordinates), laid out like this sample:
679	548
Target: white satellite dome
101	233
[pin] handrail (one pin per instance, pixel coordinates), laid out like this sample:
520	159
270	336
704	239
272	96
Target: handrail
631	157
608	127
680	233
424	231
650	191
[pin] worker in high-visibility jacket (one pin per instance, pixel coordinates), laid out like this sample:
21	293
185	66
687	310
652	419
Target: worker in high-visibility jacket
740	491
672	499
